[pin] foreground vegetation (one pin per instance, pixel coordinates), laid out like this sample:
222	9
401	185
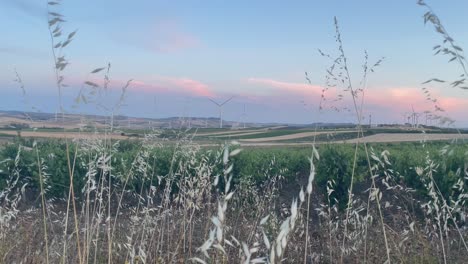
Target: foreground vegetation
254	164
98	200
149	201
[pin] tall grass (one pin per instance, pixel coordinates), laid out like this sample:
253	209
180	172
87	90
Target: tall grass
128	209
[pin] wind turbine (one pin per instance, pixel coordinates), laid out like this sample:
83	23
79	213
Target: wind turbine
407	118
220	106
244	115
426	115
415	117
187	118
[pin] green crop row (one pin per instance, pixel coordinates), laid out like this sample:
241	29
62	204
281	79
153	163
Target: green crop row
256	164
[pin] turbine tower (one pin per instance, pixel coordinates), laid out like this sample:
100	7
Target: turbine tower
220	107
405	118
244	115
426	116
415	117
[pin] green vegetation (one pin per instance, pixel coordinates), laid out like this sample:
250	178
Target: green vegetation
255	164
164	198
6	135
271	133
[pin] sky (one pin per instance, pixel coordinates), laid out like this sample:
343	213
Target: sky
179	54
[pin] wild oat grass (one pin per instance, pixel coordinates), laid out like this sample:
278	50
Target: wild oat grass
176	202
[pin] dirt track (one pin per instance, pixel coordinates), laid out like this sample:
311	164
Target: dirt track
407	137
379	138
292	136
238	132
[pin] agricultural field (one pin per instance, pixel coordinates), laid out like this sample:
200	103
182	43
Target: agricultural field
168	194
210	133
146	185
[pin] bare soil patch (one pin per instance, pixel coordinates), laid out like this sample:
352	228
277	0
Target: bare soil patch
239	132
406	137
293	136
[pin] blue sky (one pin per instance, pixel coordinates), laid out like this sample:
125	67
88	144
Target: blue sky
181	52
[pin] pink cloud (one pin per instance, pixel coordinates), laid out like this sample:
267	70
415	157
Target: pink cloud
400	99
174	85
300	88
158	84
192	86
404	97
393	101
454	104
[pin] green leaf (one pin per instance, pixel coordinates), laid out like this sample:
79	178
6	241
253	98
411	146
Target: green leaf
55	14
53	22
91	84
97	70
66	43
433	80
71	34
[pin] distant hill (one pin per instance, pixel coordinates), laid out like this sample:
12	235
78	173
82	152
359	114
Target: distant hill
10	119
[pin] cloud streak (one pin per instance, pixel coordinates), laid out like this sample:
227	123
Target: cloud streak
403	98
280	86
172	85
390	101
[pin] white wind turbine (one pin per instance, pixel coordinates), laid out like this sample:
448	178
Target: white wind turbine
220	106
406	118
415	117
244	116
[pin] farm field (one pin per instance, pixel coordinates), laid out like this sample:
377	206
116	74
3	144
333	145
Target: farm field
153	132
258	137
404	137
285	168
153	174
56	134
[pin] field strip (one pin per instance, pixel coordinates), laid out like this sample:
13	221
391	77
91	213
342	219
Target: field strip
227	133
71	123
236	132
406	137
293	136
379	138
240	134
71	135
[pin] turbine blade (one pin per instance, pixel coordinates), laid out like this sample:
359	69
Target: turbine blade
227	100
216	103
